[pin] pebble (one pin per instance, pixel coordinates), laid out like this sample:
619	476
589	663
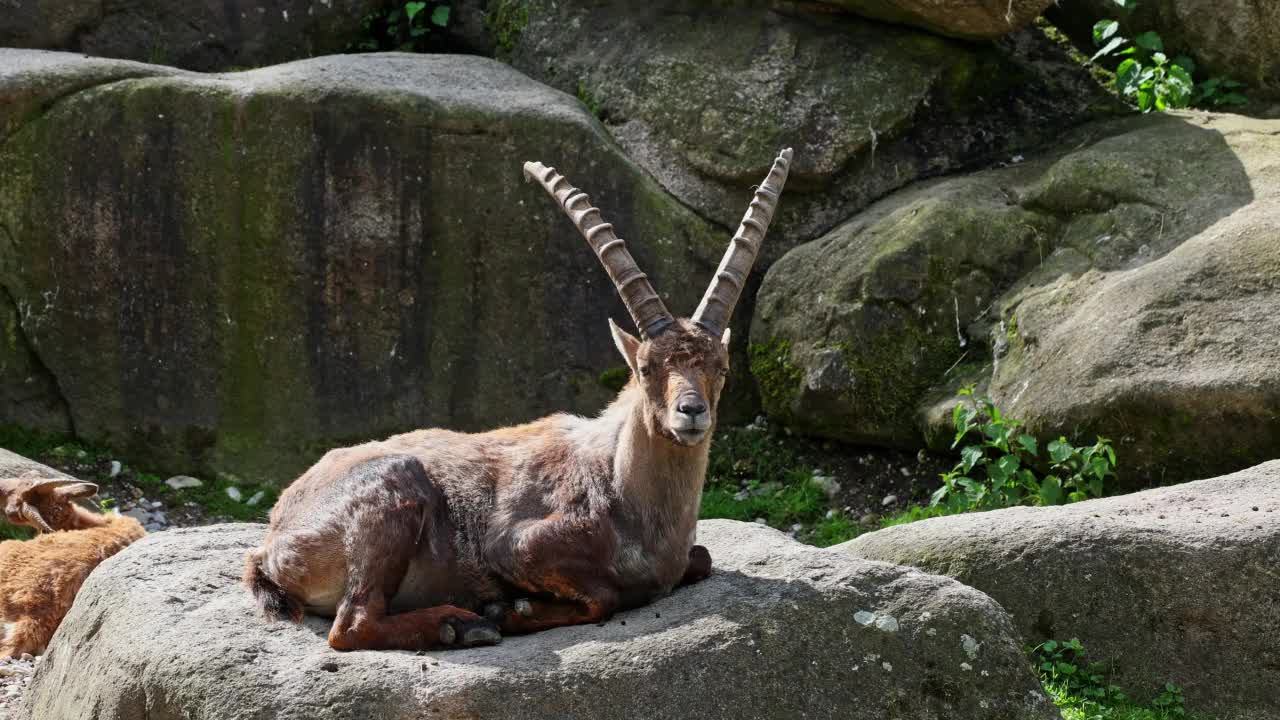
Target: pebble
761	521
182	482
889	500
830	486
234	493
256	498
116	467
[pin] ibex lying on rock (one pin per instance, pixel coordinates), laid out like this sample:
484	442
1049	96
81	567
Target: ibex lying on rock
39	578
561	521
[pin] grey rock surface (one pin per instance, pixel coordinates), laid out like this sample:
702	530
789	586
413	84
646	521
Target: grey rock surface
195	35
702	96
236	272
1124	283
165	630
1175	584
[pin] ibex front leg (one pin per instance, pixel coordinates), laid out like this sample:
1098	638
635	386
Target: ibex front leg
565	565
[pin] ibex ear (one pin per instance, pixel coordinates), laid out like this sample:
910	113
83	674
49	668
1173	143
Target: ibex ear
724	339
628	345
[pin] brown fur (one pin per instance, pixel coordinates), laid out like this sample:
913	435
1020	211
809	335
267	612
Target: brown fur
39	578
564	520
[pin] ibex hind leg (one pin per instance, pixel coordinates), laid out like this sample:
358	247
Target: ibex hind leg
396	504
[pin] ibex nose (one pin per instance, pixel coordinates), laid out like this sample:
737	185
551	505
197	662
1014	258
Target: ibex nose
691	407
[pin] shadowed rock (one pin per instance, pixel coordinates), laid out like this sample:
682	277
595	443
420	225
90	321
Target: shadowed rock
1176	584
780	630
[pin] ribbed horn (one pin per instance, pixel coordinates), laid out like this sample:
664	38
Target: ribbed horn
646	308
33	516
717	304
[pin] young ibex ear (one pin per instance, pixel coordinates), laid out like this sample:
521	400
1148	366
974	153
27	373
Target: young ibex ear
66	489
724	339
628	345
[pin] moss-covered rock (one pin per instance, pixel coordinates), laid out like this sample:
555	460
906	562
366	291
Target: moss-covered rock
1125	284
238	271
194	35
702	95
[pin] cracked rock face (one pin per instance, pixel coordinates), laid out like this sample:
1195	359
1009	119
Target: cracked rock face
779	630
240	271
1126	282
702	97
1175	584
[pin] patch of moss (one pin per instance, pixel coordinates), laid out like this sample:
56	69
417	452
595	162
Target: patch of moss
505	21
587	98
777	378
615	378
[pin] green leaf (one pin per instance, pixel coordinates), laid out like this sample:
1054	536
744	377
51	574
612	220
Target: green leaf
1028	443
1050	491
1109	48
1008	464
1149	41
411	9
1186	63
1066	668
970	456
1060	450
440	16
938	496
1104	29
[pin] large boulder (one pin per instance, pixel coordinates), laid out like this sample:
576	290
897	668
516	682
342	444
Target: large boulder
238	271
1126	283
166	630
195	35
974	19
1238	39
703	94
1175	584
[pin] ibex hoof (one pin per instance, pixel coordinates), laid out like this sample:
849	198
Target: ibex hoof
460	633
523	607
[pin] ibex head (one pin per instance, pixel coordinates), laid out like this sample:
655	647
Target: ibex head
44	504
680	364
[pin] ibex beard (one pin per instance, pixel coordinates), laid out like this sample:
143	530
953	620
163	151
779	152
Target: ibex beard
438	539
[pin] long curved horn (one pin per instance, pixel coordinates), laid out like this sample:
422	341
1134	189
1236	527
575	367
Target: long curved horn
717	304
647	309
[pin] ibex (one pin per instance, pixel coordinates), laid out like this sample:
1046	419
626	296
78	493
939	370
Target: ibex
39	578
442	539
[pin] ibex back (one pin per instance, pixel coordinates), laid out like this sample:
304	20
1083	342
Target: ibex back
442	539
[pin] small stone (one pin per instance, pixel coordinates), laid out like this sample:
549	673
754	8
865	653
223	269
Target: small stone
742	495
156	504
234	493
256	498
889	500
182	482
142	516
116	467
159	518
829	485
864	617
869	519
761	521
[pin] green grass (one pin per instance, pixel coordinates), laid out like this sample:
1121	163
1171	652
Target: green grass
9	532
212	496
1075	707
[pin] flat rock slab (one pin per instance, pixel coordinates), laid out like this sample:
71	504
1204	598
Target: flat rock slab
1178	583
165	630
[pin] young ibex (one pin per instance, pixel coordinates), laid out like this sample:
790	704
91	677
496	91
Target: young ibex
39	578
442	539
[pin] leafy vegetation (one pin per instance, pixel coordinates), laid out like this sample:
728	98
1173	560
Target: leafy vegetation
505	22
404	26
998	470
1149	78
1080	687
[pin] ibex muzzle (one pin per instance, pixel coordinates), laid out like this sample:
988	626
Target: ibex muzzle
442	539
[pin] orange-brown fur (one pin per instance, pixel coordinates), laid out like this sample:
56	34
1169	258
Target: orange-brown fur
39	578
560	521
